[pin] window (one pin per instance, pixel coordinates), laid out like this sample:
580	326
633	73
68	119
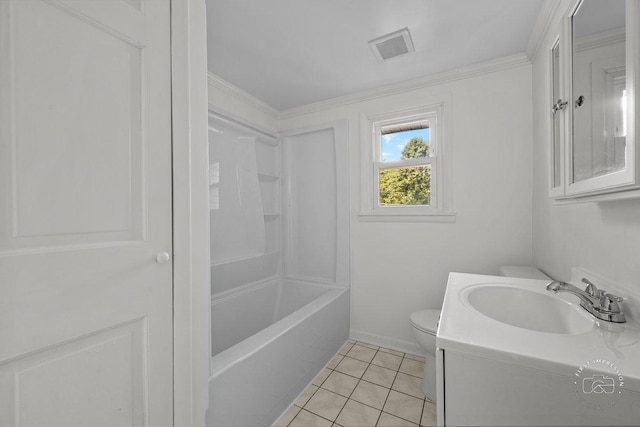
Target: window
403	166
404	162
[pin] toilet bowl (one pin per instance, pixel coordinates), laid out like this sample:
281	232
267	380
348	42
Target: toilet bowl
424	324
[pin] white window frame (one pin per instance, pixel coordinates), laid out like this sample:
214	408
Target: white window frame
440	209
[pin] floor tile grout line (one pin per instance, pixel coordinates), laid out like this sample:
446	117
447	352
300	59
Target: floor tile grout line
294	417
312	394
371	363
348	398
397	371
318	415
354	389
313	413
385	399
406	394
388	394
360	379
305	403
422	412
318	387
391	388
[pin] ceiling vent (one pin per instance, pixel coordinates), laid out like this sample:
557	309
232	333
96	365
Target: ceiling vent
392	45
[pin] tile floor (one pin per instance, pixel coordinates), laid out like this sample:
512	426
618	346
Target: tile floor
364	386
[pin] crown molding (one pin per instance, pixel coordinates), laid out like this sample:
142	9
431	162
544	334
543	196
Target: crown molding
242	96
605	38
411	85
474	70
546	16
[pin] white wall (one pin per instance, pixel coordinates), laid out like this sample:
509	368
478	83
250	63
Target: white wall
604	237
397	268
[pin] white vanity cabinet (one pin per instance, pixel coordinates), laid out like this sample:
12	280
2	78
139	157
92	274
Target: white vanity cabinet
594	69
481	391
532	357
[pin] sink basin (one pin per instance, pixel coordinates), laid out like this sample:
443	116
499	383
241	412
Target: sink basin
528	309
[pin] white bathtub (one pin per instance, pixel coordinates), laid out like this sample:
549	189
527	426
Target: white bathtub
269	342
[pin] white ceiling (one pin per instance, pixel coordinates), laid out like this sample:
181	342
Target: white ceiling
289	53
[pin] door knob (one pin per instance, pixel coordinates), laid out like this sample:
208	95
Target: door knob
162	257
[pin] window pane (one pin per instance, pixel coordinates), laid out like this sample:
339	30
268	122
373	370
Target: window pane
405	186
408	141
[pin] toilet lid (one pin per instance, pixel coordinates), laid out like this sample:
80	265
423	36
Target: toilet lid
426	320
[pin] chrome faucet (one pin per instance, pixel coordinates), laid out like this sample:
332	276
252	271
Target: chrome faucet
600	304
585	296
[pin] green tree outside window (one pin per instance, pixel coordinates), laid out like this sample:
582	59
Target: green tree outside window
407	185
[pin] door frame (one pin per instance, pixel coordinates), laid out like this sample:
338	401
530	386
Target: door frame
191	270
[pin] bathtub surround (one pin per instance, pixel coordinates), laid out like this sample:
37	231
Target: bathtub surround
235	193
315	214
279	264
244	200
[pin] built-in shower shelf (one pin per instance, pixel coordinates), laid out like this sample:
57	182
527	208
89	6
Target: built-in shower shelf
267	177
271	215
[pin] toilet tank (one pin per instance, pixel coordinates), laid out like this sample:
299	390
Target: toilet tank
523	272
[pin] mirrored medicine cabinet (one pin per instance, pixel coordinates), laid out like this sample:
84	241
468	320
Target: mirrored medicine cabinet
594	68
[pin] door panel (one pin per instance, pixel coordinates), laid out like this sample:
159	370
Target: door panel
75	131
85	206
62	382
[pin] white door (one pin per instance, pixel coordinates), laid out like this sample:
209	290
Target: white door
85	213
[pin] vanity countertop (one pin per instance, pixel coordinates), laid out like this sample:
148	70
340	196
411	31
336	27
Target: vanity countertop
465	330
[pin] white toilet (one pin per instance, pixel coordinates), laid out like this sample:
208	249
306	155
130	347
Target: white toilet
424	324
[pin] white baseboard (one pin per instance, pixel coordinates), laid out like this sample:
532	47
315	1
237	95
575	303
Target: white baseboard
392	343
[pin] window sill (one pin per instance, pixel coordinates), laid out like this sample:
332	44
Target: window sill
424	217
604	197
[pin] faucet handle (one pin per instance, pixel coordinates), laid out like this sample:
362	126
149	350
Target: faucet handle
609	302
591	289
